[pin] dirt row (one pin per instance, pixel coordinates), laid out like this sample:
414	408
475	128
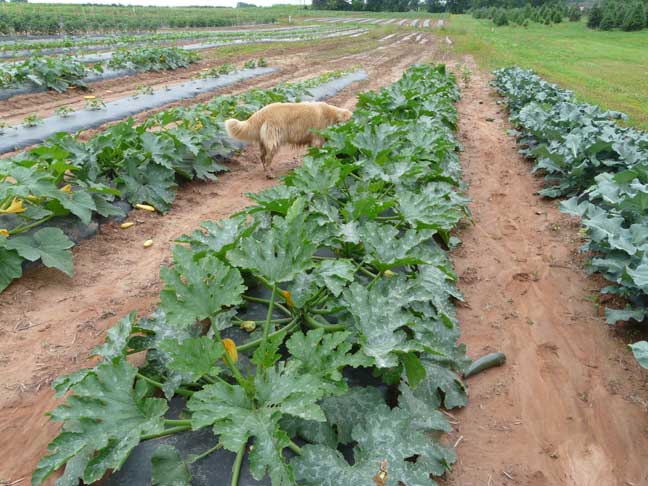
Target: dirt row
50	322
570	406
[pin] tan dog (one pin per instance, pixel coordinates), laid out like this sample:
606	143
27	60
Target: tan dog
285	124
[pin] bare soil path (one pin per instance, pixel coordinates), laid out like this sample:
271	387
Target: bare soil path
569	407
49	323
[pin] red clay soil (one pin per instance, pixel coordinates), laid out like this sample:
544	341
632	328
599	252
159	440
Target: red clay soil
49	322
569	406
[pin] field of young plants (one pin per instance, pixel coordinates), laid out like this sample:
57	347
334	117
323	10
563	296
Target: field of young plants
420	300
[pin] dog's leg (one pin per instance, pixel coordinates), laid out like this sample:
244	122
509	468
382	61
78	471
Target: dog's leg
270	140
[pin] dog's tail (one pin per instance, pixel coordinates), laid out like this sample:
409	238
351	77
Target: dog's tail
241	130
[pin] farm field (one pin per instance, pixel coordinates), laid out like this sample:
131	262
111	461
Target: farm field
412	242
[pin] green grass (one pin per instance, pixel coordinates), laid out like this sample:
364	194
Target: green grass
606	68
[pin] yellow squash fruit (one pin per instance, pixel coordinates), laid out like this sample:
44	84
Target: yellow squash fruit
126	225
145	207
148	243
230	349
16	206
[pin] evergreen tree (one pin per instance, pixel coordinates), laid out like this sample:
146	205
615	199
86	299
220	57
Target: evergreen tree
635	18
500	18
595	16
608	22
556	16
574	14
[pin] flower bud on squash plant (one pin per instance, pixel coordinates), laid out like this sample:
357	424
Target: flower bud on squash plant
286	294
388	273
248	326
4	232
230	349
67	188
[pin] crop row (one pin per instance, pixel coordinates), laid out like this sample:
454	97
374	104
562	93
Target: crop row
137	163
585	153
80	43
59	73
267	319
28	18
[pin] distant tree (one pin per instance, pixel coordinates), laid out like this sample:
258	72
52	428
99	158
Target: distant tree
594	16
556	16
374	5
574	13
457	6
434	6
635	18
245	5
500	18
608	22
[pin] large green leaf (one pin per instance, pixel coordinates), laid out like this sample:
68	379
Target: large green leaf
104	419
195	357
387	248
168	468
346	411
640	351
196	290
325	354
378	319
382	435
152	184
236	418
277	254
117	338
50	245
10	266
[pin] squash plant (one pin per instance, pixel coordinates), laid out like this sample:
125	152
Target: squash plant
349	274
67	176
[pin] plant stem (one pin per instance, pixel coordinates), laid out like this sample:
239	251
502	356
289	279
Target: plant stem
236	468
315	324
206	453
157	384
266	301
29	226
283	320
266	328
172	430
295	448
367	272
177	422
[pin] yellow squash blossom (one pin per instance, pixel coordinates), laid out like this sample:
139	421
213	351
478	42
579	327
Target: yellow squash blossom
89	97
230	349
4	232
67	188
16	206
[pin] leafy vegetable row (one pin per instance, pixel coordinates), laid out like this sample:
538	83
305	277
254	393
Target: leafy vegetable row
59	73
121	40
267	318
603	165
137	163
